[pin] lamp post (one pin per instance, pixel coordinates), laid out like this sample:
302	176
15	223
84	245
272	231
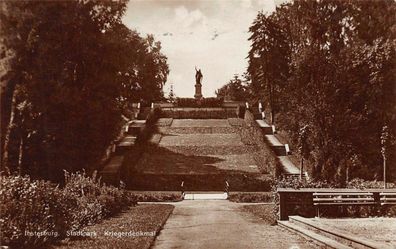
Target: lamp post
302	147
384	145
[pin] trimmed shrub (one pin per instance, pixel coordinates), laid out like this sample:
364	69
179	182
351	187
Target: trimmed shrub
158	196
199	113
250	197
205	102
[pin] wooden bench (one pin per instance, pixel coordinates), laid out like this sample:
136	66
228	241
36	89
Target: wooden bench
342	198
388	198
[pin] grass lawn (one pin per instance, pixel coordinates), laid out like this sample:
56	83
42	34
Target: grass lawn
124	230
264	212
200	123
220	139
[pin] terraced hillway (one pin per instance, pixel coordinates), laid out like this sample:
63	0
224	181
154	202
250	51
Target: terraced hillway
202	153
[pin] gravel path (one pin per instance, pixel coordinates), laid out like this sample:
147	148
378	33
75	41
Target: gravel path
366	228
222	224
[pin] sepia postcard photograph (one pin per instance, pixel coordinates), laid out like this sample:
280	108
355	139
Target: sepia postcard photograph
198	124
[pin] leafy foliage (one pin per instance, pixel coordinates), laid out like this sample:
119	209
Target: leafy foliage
205	102
73	69
235	89
329	65
30	206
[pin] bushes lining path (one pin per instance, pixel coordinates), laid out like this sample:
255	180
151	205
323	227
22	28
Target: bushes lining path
36	213
125	230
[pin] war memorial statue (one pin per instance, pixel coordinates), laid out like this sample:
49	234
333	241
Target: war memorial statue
198	85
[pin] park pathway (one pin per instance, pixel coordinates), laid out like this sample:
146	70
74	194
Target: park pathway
222	224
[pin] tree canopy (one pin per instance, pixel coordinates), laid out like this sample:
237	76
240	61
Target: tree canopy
329	64
71	68
236	89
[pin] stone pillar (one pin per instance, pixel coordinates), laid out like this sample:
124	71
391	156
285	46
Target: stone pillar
198	91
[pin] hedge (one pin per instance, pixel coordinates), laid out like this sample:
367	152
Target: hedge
205	102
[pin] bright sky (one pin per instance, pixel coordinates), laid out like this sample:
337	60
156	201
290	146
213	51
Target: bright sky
209	34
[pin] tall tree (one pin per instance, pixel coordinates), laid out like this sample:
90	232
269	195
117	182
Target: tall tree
70	67
235	89
329	64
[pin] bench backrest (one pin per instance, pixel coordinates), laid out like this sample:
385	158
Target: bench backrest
343	198
388	198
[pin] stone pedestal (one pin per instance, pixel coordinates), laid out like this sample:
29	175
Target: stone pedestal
198	91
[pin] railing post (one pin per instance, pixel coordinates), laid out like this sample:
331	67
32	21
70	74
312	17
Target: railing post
377	198
287	149
182	188
273	129
227	186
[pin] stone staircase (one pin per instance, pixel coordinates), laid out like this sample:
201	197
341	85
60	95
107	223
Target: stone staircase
111	172
143	113
282	151
136	126
330	237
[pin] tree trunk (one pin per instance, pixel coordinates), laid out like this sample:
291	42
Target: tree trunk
347	174
301	168
10	126
20	155
271	101
384	171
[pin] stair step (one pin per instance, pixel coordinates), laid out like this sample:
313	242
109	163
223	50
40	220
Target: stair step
343	237
279	150
288	166
205	196
273	140
311	234
266	128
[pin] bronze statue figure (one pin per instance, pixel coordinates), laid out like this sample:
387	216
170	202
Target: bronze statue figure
198	85
198	76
